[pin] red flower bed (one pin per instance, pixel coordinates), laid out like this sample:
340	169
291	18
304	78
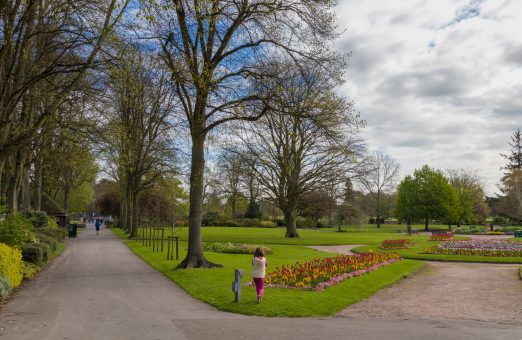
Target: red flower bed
397	244
441	237
321	273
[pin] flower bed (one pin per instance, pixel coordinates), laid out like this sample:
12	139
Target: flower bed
397	244
501	248
322	273
441	237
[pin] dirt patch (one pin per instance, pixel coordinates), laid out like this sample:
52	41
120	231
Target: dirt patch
345	249
466	291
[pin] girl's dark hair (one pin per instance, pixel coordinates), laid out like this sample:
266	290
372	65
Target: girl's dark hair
259	252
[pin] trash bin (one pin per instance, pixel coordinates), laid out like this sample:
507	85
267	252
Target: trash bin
72	230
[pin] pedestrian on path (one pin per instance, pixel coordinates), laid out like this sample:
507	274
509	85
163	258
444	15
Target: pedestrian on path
259	264
97	225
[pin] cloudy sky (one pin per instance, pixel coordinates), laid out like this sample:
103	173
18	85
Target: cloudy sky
438	82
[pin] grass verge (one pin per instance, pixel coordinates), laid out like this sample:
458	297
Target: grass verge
213	286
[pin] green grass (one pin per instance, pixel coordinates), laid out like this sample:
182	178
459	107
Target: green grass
421	243
368	235
213	286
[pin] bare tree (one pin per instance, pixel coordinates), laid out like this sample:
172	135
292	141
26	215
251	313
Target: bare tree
304	144
218	51
136	133
380	176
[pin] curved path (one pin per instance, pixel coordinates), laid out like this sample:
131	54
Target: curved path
98	289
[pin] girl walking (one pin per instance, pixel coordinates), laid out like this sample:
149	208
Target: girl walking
259	264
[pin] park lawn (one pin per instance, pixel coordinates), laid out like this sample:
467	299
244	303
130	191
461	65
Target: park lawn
422	243
368	236
315	237
213	286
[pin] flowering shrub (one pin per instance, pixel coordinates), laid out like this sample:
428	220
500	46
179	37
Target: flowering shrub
441	237
500	248
397	244
322	273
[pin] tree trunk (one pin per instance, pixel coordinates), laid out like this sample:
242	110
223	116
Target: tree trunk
378	209
426	225
134	225
195	257
16	179
291	224
233	200
26	191
2	162
66	198
38	189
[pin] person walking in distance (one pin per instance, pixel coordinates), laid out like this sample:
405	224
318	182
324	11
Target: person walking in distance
97	225
259	264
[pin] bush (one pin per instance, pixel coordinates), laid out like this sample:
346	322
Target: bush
211	218
30	270
267	224
59	233
32	252
303	222
39	219
253	210
250	222
233	248
231	223
50	241
16	229
52	223
180	224
5	287
11	264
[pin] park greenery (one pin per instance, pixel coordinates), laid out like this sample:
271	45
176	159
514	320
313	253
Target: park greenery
213	285
202	114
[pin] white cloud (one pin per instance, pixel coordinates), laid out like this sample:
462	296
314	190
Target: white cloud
438	82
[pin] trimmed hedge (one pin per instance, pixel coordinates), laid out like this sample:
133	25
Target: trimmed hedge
11	265
33	253
50	241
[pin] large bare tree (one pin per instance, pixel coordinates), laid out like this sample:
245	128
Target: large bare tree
218	51
379	176
305	142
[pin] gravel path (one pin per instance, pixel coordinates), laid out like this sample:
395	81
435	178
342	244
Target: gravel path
345	249
464	291
467	291
98	289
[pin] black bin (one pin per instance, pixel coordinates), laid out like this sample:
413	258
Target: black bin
72	230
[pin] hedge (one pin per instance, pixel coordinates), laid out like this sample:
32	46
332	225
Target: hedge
11	265
51	241
33	252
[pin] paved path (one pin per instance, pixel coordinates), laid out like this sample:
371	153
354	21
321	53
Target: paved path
98	289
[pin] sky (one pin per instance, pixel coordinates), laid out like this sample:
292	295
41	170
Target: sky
437	82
